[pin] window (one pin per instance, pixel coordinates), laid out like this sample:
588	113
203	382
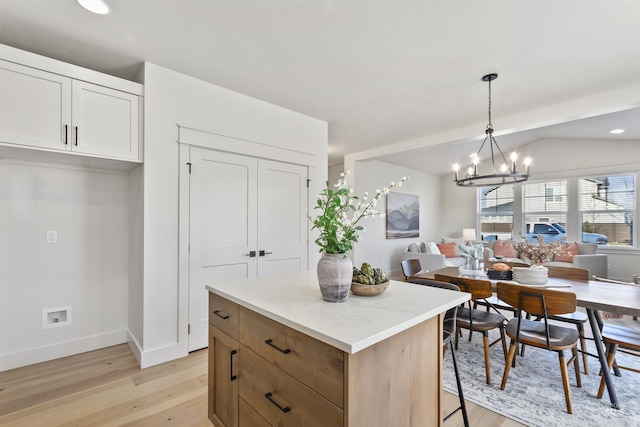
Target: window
545	210
607	209
496	212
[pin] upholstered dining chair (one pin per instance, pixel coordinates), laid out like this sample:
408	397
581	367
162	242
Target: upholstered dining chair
476	320
542	303
577	318
410	267
448	332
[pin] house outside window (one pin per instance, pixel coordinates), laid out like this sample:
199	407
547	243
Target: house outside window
544	203
495	212
607	207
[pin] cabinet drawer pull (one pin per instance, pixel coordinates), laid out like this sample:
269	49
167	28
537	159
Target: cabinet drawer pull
233	352
223	317
283	409
66	134
270	343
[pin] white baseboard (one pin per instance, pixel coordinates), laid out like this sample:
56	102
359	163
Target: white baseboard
162	354
45	353
135	347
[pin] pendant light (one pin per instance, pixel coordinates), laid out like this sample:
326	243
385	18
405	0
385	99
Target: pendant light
506	175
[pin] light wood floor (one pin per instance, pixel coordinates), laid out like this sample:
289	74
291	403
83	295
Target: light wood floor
106	388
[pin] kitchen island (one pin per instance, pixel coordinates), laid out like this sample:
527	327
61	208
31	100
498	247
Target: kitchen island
280	355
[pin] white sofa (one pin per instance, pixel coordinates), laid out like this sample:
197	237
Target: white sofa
432	261
587	258
428	262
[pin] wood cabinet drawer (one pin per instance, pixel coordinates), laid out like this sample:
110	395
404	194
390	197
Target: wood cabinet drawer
223	314
281	399
249	417
316	364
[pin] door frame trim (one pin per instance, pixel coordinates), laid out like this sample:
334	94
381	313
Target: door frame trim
285	156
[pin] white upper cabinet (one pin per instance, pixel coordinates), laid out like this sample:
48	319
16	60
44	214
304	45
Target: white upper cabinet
105	121
51	112
35	107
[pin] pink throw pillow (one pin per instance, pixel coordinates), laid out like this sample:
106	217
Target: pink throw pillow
504	248
566	252
448	249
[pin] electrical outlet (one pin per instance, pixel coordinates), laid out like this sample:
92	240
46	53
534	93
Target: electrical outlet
52	236
54	317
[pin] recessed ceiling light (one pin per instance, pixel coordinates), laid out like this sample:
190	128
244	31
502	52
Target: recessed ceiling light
616	131
96	6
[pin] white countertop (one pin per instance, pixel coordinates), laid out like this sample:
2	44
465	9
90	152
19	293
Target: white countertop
294	300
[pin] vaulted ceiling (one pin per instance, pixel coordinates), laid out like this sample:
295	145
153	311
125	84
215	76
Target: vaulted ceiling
379	72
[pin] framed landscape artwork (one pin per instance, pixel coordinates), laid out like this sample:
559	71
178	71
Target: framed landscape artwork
403	215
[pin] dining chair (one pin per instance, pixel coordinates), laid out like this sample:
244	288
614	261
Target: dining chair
476	320
494	300
410	267
627	339
542	303
448	332
577	318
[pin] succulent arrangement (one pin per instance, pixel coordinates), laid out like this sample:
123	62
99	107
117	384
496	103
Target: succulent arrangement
368	275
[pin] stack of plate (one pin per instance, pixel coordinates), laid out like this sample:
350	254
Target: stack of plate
530	276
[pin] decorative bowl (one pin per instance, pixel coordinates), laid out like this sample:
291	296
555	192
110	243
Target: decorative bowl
368	290
500	274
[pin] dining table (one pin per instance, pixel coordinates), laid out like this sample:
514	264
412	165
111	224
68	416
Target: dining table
593	295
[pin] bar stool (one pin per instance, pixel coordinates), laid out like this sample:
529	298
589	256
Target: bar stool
448	334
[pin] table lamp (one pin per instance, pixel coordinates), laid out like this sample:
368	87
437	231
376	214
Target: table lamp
469	235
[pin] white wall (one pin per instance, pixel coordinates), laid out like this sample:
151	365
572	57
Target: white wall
88	269
171	100
558	159
136	226
373	246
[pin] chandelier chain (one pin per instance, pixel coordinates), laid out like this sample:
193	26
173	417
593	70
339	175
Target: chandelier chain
489	125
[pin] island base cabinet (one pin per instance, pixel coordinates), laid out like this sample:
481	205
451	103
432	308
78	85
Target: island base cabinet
223	379
394	382
398	381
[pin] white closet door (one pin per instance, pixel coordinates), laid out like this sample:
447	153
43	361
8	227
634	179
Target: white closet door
223	208
282	217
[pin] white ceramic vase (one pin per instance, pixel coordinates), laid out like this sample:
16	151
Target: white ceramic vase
335	272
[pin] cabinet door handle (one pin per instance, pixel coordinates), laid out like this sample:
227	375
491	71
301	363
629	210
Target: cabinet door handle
223	317
233	377
66	134
270	343
76	135
284	409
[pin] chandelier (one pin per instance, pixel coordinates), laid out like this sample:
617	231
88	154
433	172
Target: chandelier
506	175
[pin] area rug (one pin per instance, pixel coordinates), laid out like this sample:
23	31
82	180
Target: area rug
534	396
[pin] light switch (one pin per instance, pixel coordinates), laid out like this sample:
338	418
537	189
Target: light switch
52	236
